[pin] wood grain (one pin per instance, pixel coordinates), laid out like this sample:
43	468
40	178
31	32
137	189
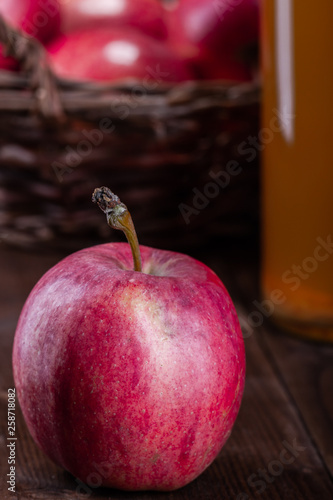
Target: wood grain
304	368
286	413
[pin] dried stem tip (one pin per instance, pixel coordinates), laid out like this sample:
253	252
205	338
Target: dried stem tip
118	217
105	199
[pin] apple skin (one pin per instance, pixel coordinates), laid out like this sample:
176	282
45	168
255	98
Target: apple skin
214	36
38	18
136	377
115	55
145	15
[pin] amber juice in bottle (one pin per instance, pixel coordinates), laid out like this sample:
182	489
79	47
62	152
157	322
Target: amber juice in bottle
297	165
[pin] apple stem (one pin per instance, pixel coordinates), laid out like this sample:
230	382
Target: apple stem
118	217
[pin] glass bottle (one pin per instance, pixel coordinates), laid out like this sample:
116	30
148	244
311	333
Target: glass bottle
297	165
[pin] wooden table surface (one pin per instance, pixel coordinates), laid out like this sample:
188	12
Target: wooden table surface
281	446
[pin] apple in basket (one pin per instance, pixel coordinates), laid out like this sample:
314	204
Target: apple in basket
217	37
145	15
129	378
38	18
114	55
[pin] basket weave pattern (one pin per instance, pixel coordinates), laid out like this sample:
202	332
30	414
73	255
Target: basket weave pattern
157	146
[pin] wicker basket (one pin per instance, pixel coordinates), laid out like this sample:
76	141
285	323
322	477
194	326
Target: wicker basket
173	153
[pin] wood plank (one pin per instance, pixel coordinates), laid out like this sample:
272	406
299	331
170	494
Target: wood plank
305	368
271	420
310	384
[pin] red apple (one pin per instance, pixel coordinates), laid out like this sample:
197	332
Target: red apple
145	15
115	55
215	36
209	66
38	18
129	379
8	63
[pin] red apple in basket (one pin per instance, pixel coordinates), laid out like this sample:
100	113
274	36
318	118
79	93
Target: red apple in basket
38	18
129	378
111	55
215	36
145	15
